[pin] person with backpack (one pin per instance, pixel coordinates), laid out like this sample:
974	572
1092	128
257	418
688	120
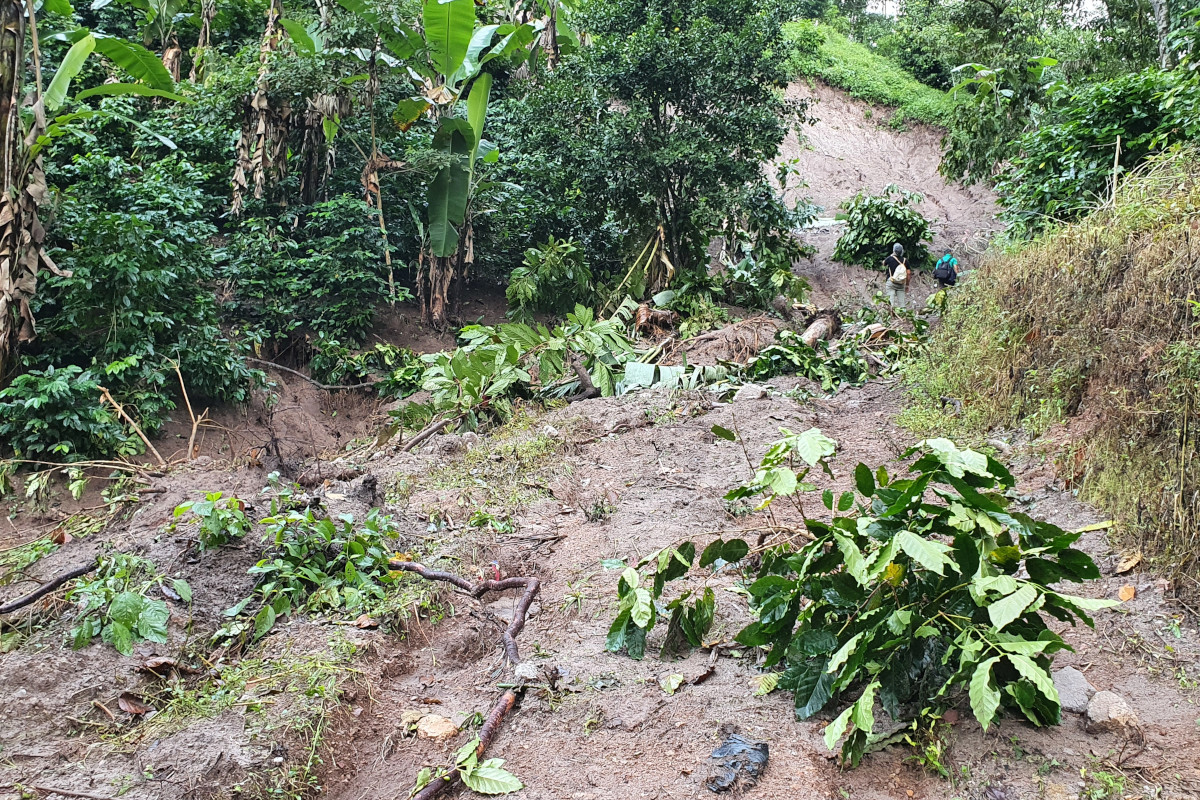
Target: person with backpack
946	271
896	285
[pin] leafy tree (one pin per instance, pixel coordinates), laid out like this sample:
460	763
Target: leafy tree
664	119
1066	166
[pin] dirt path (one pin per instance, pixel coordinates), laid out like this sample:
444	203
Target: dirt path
851	149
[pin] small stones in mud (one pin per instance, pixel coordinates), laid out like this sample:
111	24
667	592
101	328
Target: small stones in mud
1109	713
751	391
1074	691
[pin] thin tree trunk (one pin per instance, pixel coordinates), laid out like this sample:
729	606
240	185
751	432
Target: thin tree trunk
1162	24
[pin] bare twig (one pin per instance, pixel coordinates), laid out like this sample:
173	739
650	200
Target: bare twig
191	414
69	792
316	383
145	439
430	430
46	588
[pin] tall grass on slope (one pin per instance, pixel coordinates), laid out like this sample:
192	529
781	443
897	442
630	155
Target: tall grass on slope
821	52
1095	325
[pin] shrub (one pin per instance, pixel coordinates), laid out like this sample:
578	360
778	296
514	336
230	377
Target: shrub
309	270
219	522
135	294
913	599
554	278
113	604
875	222
1065	166
57	414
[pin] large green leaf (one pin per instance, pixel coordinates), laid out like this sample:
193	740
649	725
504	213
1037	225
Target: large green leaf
477	103
299	36
72	63
448	25
929	554
448	194
490	778
124	89
812	446
60	7
139	62
985	699
1008	608
813	690
1030	670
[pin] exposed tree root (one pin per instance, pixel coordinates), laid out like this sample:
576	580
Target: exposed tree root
47	588
477	590
315	383
507	700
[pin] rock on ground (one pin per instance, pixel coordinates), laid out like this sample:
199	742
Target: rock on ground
1074	691
1109	713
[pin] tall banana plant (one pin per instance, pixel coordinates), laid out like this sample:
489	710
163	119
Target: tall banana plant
446	59
25	131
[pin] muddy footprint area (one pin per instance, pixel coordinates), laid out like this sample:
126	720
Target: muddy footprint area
359	710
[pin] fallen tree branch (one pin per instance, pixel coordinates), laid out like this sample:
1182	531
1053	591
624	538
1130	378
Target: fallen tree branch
486	733
46	588
429	430
313	381
141	434
505	703
478	590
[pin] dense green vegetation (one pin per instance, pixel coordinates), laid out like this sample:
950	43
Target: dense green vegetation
821	51
1094	326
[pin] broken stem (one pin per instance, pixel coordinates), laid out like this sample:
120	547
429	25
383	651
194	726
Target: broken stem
141	434
46	588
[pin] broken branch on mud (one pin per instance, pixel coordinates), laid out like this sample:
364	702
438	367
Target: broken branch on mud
478	590
507	700
46	588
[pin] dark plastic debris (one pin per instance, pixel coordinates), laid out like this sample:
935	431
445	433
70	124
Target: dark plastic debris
737	763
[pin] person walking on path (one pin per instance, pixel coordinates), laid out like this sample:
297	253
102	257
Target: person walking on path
898	276
946	271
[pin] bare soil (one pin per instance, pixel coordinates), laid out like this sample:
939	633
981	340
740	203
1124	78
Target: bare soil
850	149
602	478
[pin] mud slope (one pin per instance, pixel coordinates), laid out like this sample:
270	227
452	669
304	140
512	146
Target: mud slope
650	463
851	149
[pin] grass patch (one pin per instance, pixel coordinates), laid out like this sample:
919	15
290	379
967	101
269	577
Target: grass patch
504	470
1096	325
821	52
289	698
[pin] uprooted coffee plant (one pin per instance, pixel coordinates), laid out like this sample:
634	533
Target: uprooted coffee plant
911	595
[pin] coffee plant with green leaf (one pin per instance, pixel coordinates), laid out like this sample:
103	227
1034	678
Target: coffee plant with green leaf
915	591
876	222
220	519
318	564
487	777
113	604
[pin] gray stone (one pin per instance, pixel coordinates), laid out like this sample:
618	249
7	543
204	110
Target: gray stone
1074	691
1109	713
751	391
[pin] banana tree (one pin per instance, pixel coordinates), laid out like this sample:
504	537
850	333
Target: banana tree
446	61
25	132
